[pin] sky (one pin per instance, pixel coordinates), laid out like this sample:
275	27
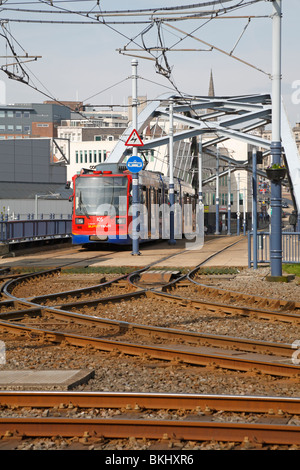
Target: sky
86	62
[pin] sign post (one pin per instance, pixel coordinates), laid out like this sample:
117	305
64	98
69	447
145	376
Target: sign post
134	163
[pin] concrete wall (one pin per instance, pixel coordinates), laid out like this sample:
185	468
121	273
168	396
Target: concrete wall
28	160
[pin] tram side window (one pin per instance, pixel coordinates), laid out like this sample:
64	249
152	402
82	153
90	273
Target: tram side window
142	195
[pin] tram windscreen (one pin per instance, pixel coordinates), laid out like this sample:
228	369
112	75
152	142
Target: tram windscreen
101	195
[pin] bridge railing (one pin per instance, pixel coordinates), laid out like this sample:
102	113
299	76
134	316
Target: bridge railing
290	247
15	231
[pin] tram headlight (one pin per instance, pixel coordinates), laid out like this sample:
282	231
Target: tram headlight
79	220
120	221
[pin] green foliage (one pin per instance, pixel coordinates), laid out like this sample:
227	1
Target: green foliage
291	269
215	270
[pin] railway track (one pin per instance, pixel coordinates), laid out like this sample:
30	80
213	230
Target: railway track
193	417
77	310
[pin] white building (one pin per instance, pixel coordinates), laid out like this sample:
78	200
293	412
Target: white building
87	154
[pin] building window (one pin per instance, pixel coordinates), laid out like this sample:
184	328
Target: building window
10	114
85	156
10	128
76	156
95	156
2	114
81	157
99	155
27	129
19	128
98	137
26	114
18	114
90	156
2	127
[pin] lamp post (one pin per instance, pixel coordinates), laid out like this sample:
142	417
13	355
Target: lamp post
276	198
45	196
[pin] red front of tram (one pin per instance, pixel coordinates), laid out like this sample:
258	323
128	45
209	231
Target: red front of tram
101	202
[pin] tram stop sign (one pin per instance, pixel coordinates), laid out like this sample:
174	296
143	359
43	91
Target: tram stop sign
134	164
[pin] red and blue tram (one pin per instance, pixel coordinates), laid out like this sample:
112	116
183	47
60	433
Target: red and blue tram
102	201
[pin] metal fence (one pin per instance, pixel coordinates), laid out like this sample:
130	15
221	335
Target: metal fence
15	231
290	247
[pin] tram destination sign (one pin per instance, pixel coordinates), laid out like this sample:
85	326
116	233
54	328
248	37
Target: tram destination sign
134	164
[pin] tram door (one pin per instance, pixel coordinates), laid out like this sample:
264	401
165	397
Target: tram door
148	209
154	224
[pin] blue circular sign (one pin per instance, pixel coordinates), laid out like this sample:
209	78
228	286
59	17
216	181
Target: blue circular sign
134	164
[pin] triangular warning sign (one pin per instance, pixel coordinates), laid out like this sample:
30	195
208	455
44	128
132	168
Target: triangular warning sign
134	140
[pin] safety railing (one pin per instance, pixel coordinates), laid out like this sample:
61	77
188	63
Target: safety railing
15	231
290	248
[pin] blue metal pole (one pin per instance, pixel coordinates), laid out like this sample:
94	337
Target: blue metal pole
276	219
217	194
135	177
172	240
200	192
238	213
276	231
249	250
254	208
229	202
244	211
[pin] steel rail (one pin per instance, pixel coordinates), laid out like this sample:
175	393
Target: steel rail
5	289
184	301
218	292
244	344
151	401
152	429
187	355
160	352
227	308
9	285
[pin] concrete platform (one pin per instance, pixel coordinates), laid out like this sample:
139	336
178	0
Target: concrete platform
236	256
152	252
41	379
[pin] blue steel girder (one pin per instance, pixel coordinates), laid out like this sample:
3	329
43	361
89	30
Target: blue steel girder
222	117
248	108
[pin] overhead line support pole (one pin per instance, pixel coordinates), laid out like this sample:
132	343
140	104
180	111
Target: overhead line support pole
172	240
276	197
135	177
217	194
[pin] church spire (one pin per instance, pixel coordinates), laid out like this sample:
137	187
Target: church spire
211	89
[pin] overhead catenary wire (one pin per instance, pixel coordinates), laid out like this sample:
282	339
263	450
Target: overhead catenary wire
165	69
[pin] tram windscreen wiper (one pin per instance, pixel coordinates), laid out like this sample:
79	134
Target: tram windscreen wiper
82	206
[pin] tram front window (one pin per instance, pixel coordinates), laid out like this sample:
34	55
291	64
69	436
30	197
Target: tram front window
101	195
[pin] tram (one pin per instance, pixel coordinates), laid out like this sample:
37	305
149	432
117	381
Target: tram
102	206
